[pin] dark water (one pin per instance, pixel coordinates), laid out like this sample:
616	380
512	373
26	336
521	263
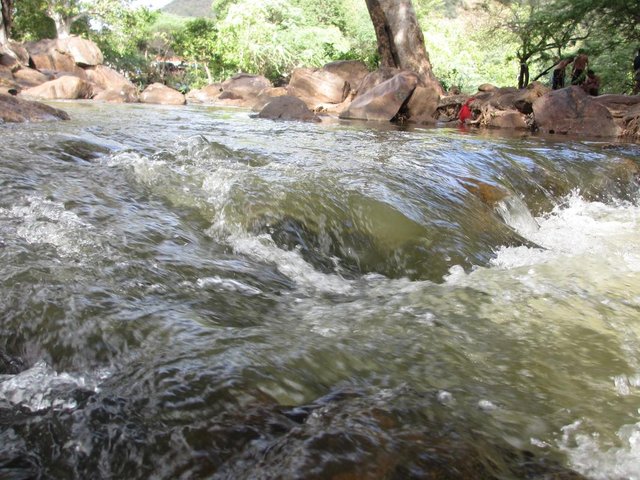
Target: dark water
192	293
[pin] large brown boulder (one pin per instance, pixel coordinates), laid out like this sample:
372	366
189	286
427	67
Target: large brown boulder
6	73
632	123
47	56
107	78
317	86
351	71
266	96
160	94
375	78
29	77
571	111
622	108
13	55
14	109
523	100
383	102
422	106
205	95
288	107
242	90
84	52
63	88
121	95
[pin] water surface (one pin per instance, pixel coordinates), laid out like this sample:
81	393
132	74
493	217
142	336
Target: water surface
194	293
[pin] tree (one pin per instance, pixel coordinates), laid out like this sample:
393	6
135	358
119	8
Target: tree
65	13
540	28
400	39
7	21
197	42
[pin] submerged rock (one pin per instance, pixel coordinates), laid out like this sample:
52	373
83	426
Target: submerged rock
242	90
205	95
287	107
160	94
14	109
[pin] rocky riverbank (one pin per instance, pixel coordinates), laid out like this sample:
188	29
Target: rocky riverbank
73	69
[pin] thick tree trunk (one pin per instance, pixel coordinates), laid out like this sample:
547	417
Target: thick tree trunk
62	23
7	21
400	39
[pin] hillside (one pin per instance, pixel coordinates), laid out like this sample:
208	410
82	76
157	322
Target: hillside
189	8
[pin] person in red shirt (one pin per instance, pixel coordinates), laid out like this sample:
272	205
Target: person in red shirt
465	112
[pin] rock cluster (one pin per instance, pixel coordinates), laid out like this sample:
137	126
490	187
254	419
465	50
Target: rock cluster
73	69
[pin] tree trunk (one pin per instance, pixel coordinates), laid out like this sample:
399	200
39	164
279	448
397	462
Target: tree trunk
62	23
208	72
400	39
7	21
523	77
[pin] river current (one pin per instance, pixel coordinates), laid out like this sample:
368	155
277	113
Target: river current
195	293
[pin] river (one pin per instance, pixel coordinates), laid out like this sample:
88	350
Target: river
195	293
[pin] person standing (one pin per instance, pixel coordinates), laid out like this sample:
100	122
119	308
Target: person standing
579	67
559	73
636	72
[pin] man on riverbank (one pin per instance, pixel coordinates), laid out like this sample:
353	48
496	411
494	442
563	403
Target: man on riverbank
559	73
579	68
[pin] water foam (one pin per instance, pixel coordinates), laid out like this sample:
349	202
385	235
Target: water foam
41	388
43	221
588	454
578	227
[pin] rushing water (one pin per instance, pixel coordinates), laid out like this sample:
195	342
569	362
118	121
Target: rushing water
193	293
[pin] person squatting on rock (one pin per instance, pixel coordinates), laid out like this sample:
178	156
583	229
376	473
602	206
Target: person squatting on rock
636	72
591	84
579	66
559	73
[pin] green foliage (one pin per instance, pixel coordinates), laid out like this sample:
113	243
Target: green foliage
190	8
31	21
470	43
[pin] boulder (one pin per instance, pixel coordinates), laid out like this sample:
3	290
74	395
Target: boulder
47	56
288	107
84	52
487	87
266	96
351	71
6	73
571	111
523	99
375	78
108	79
63	88
206	95
122	95
422	105
14	109
29	77
632	123
619	106
316	86
383	102
13	55
160	94
512	119
242	89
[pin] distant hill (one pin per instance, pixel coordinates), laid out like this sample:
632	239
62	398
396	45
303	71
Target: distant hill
189	8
